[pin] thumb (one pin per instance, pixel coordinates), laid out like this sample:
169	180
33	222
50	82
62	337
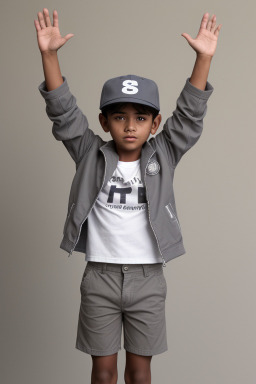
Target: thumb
187	37
67	37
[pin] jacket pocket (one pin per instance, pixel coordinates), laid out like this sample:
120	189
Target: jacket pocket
68	215
174	220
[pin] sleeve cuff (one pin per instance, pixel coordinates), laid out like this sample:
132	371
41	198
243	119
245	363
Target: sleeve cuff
198	92
55	93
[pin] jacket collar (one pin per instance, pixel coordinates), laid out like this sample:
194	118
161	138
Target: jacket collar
111	156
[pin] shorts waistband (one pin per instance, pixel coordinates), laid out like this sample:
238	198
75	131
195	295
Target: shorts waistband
125	268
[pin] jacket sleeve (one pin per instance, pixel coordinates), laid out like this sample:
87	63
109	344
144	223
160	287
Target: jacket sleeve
182	130
70	125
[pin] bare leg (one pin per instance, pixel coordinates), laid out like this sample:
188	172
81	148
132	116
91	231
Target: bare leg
137	369
104	369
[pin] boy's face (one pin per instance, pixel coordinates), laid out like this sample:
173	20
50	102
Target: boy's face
129	130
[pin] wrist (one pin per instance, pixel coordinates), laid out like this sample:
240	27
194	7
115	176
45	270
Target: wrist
49	53
203	57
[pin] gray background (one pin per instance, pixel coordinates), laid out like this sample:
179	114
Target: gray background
210	307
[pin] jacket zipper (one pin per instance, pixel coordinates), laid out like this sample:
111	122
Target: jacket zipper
164	263
69	215
70	253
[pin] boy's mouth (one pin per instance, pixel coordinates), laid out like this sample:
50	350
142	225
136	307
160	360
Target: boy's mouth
130	138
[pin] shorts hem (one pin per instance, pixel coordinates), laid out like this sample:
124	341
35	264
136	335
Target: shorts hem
97	352
145	352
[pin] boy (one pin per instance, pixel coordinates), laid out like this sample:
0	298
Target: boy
122	199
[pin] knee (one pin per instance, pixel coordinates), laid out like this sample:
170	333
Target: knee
104	377
137	377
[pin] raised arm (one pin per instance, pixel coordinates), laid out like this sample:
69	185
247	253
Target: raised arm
205	45
183	129
49	41
70	125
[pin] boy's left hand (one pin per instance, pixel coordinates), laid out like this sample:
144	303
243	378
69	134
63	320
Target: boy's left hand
206	41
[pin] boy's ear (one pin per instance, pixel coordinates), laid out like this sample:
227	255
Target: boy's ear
156	123
103	122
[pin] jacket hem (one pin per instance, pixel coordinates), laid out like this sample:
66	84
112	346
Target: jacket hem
67	244
172	252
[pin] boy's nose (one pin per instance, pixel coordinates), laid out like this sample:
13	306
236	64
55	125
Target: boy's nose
130	126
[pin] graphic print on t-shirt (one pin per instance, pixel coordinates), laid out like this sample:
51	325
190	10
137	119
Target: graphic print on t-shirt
125	190
133	197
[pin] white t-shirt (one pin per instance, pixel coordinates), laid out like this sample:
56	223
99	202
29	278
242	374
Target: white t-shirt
118	228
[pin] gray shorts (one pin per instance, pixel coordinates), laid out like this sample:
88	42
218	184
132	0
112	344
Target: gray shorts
130	294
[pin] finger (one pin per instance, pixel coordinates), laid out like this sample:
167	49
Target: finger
47	17
204	20
37	25
55	19
187	37
215	28
216	32
213	23
41	20
67	37
209	24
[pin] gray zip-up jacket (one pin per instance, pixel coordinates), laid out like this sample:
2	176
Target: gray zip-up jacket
97	159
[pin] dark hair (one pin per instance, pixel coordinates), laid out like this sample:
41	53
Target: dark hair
141	108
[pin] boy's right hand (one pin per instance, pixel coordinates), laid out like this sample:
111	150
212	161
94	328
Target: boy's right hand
48	36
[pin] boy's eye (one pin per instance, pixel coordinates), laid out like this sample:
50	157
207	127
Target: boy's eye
140	118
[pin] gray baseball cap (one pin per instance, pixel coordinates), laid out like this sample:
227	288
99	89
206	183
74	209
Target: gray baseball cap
130	89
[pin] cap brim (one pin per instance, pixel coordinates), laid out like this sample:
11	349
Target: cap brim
129	100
